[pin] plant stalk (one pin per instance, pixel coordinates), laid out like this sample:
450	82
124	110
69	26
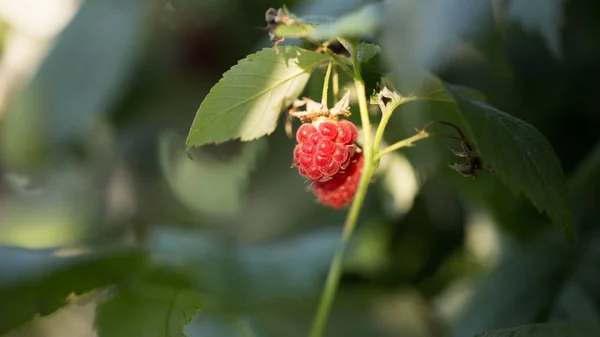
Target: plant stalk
335	270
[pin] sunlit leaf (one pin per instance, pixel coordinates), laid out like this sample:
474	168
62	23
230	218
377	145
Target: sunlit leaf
521	157
39	281
147	311
247	101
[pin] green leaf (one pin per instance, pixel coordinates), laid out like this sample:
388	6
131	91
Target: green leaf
39	281
370	65
147	310
364	22
559	329
247	101
226	179
545	17
521	157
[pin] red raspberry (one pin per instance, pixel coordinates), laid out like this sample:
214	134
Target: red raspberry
339	191
323	150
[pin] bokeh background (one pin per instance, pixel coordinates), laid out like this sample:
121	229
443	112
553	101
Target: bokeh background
97	97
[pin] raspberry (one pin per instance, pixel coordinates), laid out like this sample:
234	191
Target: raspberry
323	150
339	191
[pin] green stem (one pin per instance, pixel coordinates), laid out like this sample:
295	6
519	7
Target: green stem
403	143
386	112
335	270
326	84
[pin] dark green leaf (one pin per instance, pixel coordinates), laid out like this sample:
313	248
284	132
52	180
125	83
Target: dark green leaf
247	101
562	329
370	65
147	311
521	157
39	281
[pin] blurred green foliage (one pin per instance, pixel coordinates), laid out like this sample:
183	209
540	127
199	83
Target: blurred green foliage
98	193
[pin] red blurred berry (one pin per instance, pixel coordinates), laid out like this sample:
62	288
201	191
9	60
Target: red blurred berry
339	191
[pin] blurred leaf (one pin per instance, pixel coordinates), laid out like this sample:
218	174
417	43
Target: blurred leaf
147	311
39	281
80	79
551	280
420	34
521	157
563	329
246	276
542	16
362	23
207	185
294	31
248	99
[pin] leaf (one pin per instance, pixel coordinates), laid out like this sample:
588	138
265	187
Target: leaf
39	281
521	157
92	57
545	17
422	34
364	22
370	65
147	310
248	99
190	180
562	329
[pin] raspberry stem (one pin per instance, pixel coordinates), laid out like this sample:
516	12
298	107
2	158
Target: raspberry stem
403	143
326	84
335	270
